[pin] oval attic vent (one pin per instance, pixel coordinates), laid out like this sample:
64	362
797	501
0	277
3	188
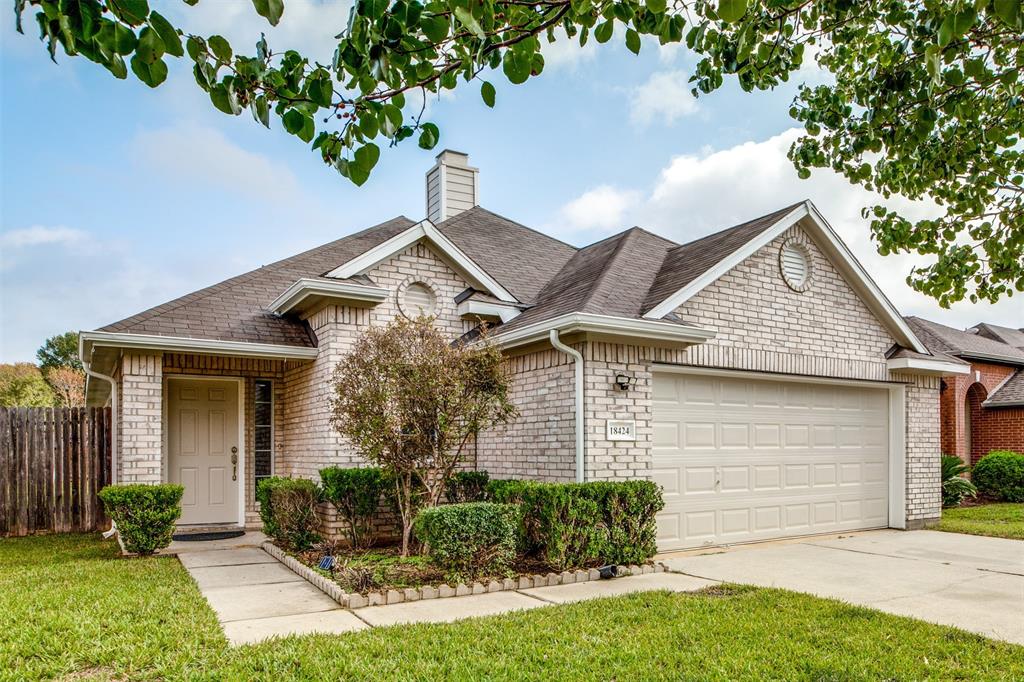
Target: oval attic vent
795	263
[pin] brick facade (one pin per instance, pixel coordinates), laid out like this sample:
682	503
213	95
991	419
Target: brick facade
923	484
140	424
540	444
991	428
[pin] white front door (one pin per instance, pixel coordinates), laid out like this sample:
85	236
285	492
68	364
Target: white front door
204	448
744	459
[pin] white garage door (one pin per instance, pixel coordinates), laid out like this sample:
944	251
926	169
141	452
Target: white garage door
745	459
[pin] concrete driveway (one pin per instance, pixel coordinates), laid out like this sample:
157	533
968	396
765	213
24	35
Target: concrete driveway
971	582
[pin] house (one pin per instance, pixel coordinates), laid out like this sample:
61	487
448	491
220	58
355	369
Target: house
982	409
758	374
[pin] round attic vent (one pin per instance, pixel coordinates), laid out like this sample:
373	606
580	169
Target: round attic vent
795	264
418	300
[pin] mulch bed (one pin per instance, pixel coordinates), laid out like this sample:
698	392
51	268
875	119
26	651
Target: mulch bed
382	568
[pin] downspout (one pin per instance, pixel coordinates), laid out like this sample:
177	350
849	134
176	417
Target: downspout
113	431
580	440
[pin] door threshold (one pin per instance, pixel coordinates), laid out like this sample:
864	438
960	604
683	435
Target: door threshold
183	529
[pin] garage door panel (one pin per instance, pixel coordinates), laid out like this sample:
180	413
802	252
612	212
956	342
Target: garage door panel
758	459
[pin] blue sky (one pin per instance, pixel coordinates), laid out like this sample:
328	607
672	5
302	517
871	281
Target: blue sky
115	197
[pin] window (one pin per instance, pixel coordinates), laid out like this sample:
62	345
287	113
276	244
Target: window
418	300
263	412
795	264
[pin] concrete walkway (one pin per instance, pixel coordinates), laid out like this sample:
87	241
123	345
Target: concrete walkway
255	597
967	581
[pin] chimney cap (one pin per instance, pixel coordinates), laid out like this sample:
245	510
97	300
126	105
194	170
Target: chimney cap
453	157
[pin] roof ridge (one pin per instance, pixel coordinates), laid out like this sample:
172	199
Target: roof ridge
745	223
609	265
478	207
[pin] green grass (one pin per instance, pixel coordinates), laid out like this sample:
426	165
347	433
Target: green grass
69	607
1002	520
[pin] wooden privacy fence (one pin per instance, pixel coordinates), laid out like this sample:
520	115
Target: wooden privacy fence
53	462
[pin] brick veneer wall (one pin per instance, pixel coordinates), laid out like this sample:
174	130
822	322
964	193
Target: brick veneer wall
923	478
540	444
310	442
998	428
763	325
991	428
140	425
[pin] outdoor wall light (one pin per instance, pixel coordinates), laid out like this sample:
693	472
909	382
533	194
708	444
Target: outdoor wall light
624	381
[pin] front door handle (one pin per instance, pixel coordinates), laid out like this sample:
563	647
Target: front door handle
234	463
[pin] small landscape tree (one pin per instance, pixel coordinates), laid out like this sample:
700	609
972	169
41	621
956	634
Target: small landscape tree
409	399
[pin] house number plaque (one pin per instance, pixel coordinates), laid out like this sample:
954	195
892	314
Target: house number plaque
621	429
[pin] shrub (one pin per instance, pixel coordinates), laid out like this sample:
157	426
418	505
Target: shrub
356	494
1000	474
263	489
288	510
144	514
466	486
562	524
505	491
954	487
572	525
627	511
470	539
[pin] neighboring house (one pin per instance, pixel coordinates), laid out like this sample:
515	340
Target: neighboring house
982	409
758	374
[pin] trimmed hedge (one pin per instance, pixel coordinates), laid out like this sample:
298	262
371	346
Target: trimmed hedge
471	539
507	491
1000	474
574	525
288	510
356	494
144	514
466	486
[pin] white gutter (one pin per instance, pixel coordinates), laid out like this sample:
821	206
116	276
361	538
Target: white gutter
580	440
113	427
183	344
305	287
647	330
926	366
113	416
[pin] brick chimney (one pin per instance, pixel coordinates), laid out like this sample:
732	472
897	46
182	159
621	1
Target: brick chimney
452	186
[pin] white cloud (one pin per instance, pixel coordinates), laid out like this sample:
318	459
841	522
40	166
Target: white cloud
40	234
565	52
601	208
308	26
72	280
206	156
664	96
696	195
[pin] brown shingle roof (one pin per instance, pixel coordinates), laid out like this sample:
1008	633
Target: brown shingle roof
940	338
686	263
1007	335
521	259
1010	393
623	275
610	277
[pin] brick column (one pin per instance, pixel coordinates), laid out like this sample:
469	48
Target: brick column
141	419
924	495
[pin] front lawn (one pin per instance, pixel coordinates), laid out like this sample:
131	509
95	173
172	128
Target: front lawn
1000	520
70	607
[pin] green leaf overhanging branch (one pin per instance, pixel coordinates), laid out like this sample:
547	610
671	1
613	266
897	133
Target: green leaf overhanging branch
924	99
